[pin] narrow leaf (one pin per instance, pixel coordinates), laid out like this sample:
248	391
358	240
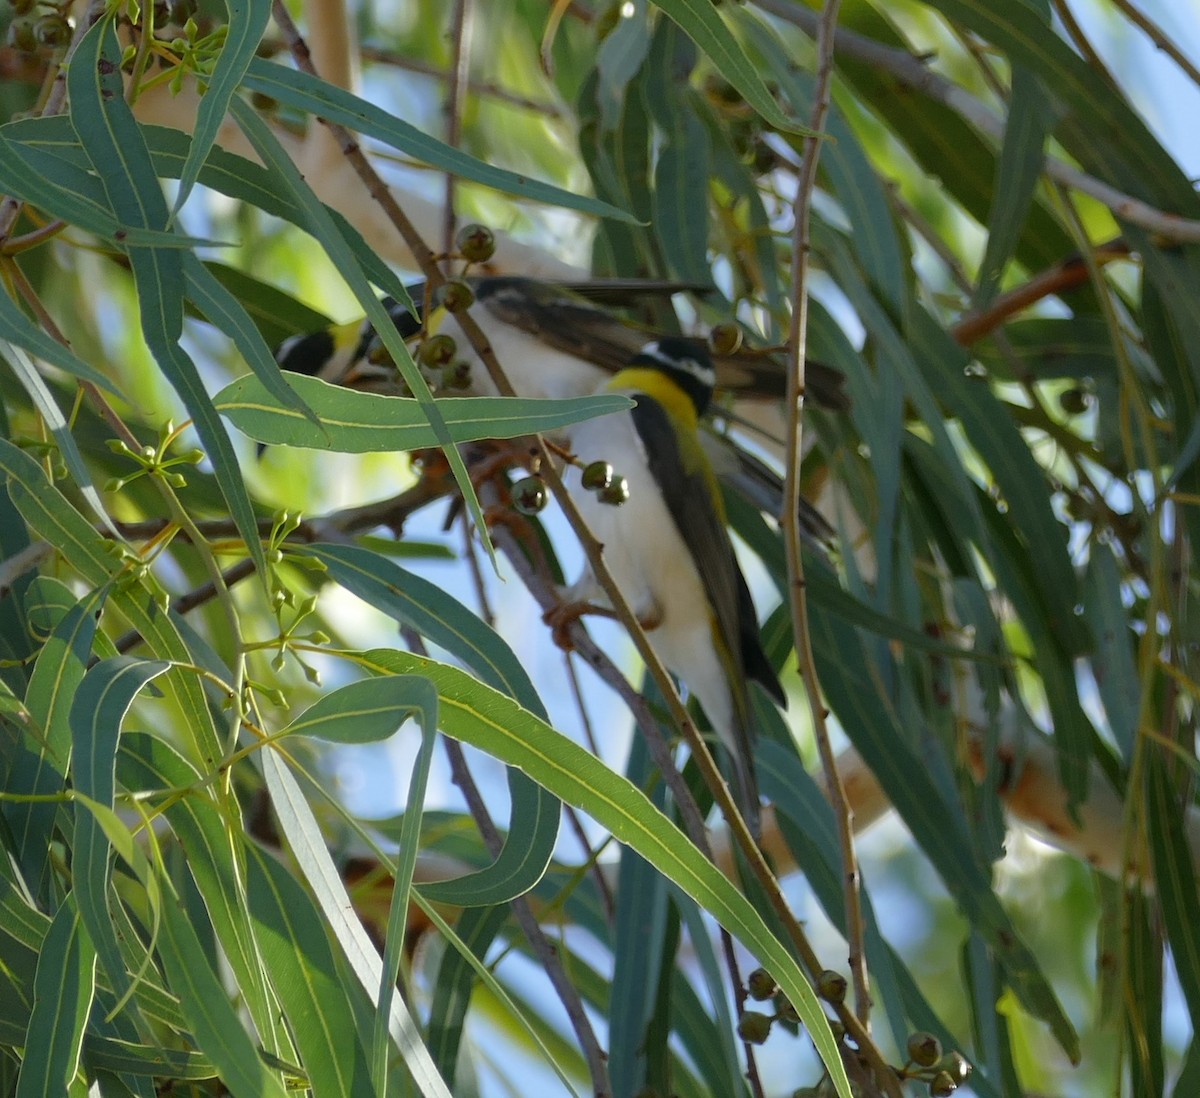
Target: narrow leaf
314	1000
211	1018
349	421
362	712
63	991
101	702
307	93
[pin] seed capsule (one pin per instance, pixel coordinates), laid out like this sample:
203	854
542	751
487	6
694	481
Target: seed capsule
529	495
597	475
615	492
475	243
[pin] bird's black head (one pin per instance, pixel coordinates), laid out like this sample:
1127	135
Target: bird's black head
686	362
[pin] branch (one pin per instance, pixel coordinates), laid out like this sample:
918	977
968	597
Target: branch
914	73
797	346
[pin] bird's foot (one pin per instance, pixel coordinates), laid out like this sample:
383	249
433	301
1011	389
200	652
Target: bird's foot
560	618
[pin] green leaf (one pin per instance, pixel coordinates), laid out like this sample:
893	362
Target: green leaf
247	21
441	618
225	311
683	164
1167	814
19	330
223	171
127	1058
1017	174
425	707
639	942
100	705
937	824
114	143
275	314
299	826
699	19
477	928
306	979
63	991
362	712
64	190
40	768
1113	662
492	722
148	764
211	1018
68	448
307	93
349	421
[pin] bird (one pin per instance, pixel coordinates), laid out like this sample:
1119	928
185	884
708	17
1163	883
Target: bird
561	339
668	547
553	339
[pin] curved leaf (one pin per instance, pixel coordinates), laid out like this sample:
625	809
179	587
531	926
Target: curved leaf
441	618
101	702
492	722
362	712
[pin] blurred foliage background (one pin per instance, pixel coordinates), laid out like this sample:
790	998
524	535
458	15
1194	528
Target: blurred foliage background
217	843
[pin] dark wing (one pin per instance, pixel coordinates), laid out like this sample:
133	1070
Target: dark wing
689	499
563	320
569	317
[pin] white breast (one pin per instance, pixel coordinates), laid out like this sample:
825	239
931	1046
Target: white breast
649	561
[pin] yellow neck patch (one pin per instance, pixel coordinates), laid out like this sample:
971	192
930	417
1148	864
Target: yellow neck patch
654	383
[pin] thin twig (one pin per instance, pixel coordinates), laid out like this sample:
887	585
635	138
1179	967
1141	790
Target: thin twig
1082	43
1159	37
595	657
915	74
483	88
1067	275
740	995
801	245
461	23
542	947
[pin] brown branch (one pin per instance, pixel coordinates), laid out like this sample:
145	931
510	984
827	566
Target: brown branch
1070	274
797	344
461	24
1159	37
